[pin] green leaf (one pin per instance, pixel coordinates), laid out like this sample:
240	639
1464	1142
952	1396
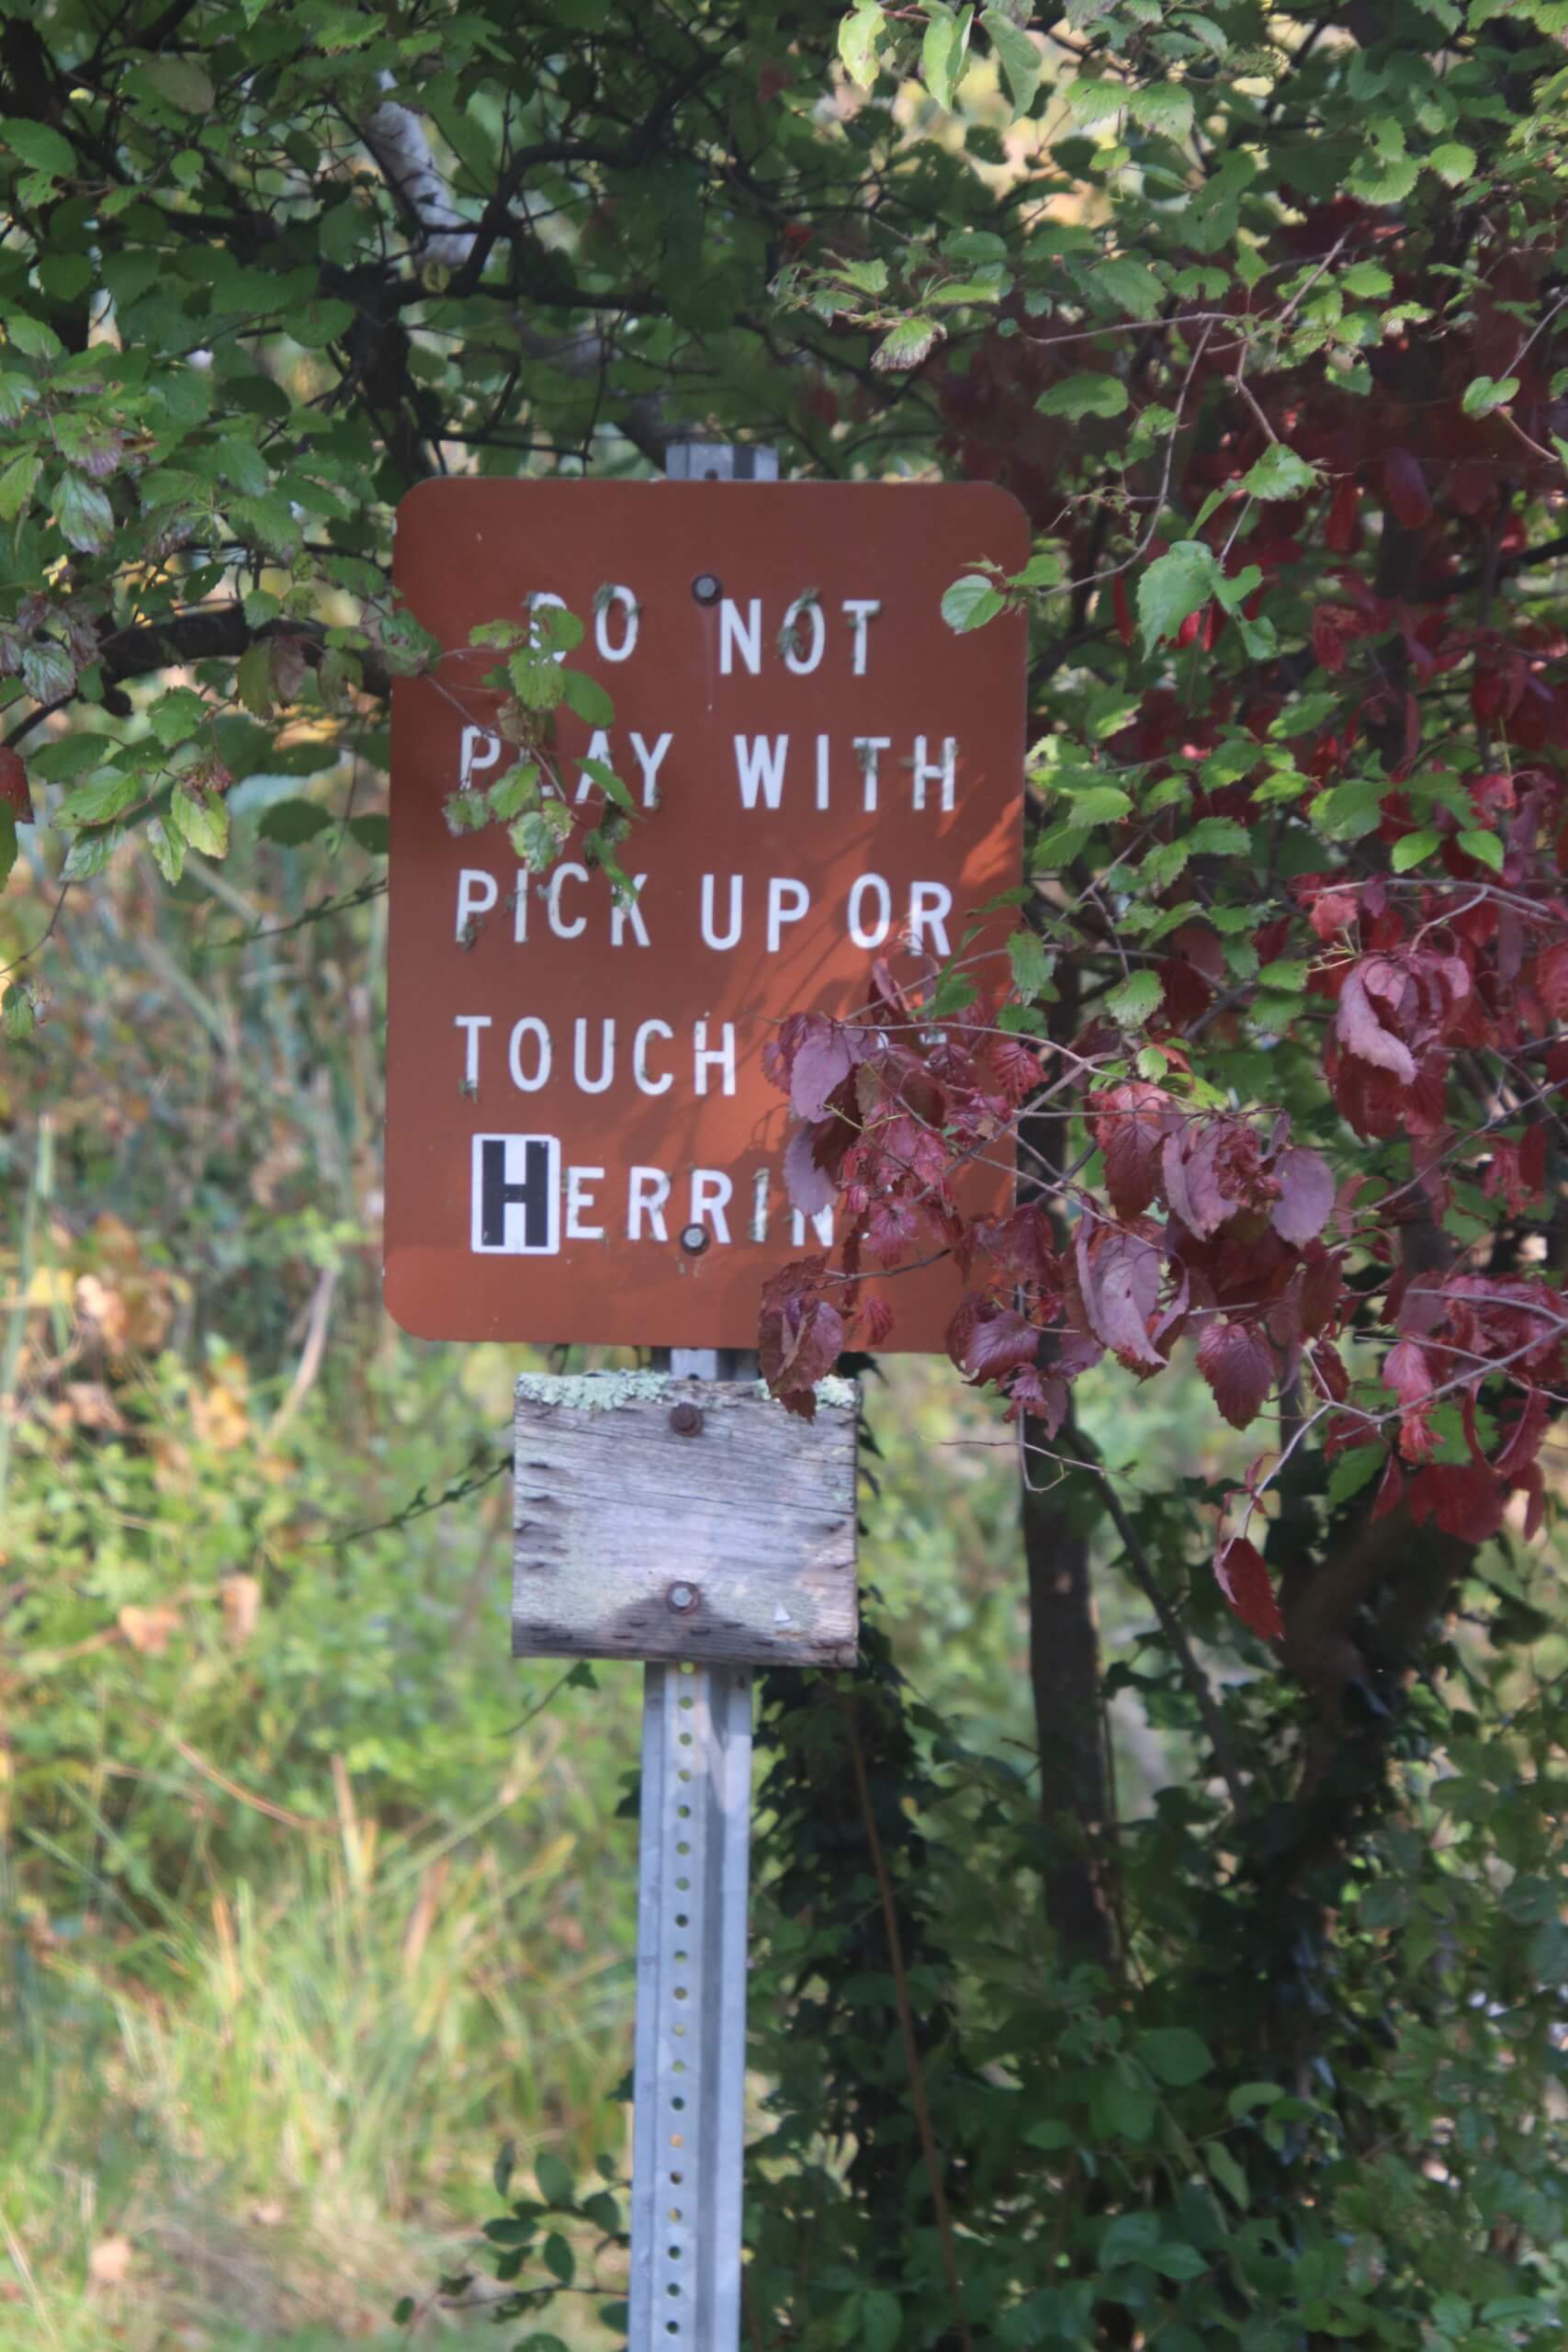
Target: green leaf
90	852
253	678
910	341
1176	584
18	483
941	54
82	513
1130	1005
372	833
553	2176
1175	2054
558	2258
1021	61
1248	2096
609	784
179	81
1412	848
42	149
1223	2167
1085	395
587	697
175	718
1092	100
1483	393
1121	284
203	821
21	1016
101	799
7	845
1350	1473
1102	804
859	36
1279	473
881	2319
1031	969
1366	277
168	847
290	822
1165	107
1218	837
1454	163
1486	848
970	602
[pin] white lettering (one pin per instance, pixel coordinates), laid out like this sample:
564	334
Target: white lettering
711	1189
866	749
602	604
520	908
552	901
529	1027
710	931
703	1056
759	766
649	763
803	663
821	771
648	1191
476	893
579	1183
874	885
945	769
760	1205
861	609
473	1023
738	636
930	903
821	1225
781	910
481	749
607	1056
639	1061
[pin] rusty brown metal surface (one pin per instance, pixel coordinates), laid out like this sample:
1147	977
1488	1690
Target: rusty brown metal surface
634	1191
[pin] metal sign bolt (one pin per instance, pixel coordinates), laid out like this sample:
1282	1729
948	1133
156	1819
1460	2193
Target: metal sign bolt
694	1239
686	1421
708	588
682	1596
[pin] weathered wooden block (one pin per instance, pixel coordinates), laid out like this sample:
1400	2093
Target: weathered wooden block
665	1518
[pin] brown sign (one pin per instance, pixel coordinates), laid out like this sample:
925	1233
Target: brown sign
581	1141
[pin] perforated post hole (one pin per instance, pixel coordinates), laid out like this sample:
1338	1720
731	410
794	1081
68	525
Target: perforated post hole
690	2050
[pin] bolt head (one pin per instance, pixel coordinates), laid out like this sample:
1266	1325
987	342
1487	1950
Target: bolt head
686	1421
681	1596
708	588
694	1239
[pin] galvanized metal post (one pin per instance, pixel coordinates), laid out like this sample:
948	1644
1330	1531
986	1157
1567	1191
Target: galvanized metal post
689	2111
689	2086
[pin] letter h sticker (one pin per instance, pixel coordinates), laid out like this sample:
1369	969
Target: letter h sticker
516	1196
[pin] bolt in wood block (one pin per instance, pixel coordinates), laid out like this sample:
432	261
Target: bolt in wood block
671	1519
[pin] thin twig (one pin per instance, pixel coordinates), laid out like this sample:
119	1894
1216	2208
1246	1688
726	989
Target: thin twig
906	2034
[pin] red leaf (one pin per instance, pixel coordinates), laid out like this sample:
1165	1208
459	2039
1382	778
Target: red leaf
14	789
1238	1364
876	1318
823	1059
1017	1065
1339	530
1128	1124
1404	487
1524	1441
1407	1372
1465	1499
1242	1576
1357	1023
986	1338
806	1181
1390	1488
1118	1282
1306	1195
